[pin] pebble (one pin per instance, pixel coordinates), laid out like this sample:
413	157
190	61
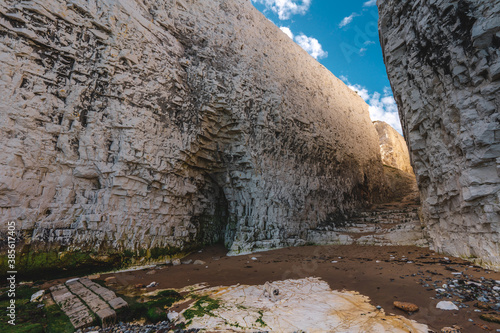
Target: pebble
491	317
173	316
482	305
199	262
466	289
253	258
187	262
454	329
406	306
446	305
110	280
152	285
334	261
176	262
38	296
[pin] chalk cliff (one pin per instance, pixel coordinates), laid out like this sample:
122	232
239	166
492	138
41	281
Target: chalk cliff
134	129
443	61
393	147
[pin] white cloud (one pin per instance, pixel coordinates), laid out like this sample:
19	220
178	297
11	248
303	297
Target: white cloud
287	31
362	91
286	8
312	46
370	3
369	42
347	20
362	51
381	107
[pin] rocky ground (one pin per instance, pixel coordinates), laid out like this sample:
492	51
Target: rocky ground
384	274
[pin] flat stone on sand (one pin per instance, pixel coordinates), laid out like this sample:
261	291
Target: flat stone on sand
78	313
446	305
79	298
319	308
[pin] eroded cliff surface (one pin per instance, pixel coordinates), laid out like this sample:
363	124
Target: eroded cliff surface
443	61
393	147
146	128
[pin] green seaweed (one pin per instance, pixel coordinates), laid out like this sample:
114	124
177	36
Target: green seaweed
33	318
260	320
158	252
57	321
156	314
203	306
153	310
57	262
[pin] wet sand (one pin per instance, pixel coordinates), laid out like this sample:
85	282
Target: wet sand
366	269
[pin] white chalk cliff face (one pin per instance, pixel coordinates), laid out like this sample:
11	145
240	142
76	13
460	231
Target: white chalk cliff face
152	127
443	61
393	147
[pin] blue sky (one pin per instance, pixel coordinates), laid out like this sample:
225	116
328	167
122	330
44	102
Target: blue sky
343	36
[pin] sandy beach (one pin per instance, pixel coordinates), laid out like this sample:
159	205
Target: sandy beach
384	274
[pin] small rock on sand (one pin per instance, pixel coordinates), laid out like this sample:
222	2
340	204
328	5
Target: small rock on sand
38	296
172	316
446	305
187	262
491	317
110	280
199	262
454	329
151	272
482	305
176	262
406	306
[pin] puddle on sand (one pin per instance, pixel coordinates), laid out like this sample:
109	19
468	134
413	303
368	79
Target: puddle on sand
306	304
